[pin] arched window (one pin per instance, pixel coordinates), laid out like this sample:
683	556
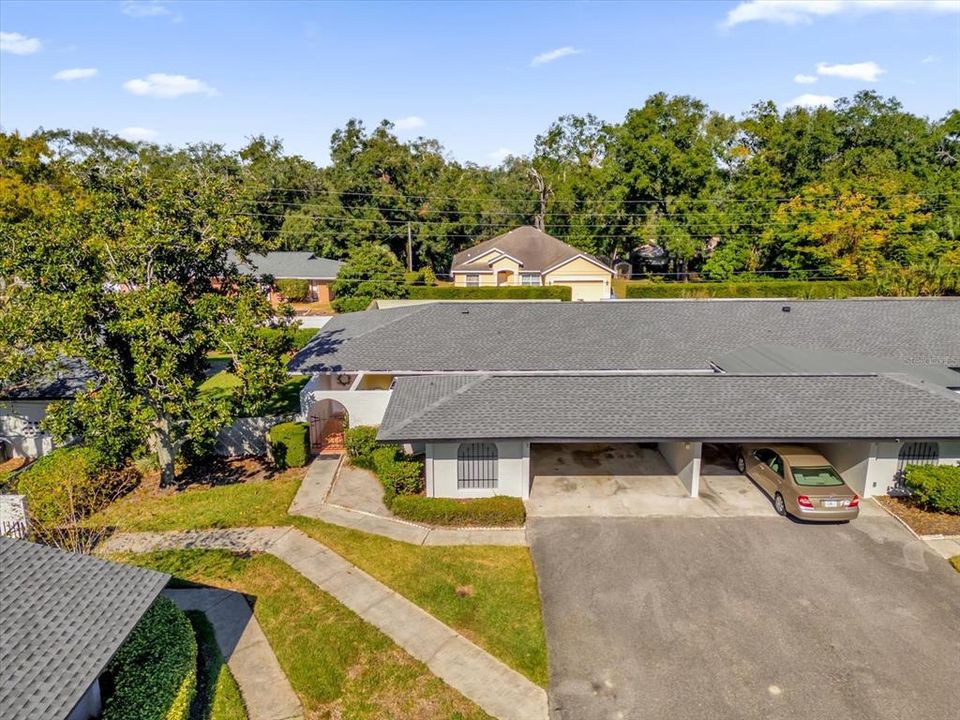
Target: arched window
913	453
477	466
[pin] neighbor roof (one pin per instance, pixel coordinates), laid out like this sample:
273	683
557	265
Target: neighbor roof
770	358
536	250
296	265
63	616
65	379
707	407
624	336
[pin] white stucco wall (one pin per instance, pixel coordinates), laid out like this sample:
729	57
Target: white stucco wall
684	459
513	471
19	427
870	468
364	407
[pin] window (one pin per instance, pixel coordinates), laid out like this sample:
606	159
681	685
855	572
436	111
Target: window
473	281
476	466
529	279
771	459
816	477
913	453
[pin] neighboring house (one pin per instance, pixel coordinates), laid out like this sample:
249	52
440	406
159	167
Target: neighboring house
63	616
319	272
479	388
527	256
23	406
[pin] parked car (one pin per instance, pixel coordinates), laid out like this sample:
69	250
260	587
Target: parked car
801	482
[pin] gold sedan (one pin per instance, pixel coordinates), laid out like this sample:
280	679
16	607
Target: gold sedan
801	482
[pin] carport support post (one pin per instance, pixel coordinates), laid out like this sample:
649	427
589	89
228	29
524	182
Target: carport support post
684	459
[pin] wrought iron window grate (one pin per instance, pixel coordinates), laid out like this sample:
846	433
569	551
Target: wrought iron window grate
477	466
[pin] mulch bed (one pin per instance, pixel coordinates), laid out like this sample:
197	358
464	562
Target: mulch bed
923	522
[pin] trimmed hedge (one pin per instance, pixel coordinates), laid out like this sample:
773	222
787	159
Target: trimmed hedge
511	292
936	487
289	444
356	303
153	676
479	512
360	442
294	289
820	289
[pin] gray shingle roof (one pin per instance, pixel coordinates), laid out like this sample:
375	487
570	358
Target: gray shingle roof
62	617
711	406
642	335
536	250
280	264
65	379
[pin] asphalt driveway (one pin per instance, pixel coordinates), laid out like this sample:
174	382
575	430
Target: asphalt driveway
746	618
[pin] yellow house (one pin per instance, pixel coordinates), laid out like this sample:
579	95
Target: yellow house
527	256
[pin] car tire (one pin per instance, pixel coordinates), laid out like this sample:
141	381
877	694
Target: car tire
779	505
741	465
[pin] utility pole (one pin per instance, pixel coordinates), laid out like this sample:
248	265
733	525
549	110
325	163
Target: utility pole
409	249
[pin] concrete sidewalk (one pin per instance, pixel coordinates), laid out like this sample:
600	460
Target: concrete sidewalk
313	499
266	691
498	689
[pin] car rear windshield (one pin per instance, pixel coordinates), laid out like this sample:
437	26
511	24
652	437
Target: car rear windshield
816	477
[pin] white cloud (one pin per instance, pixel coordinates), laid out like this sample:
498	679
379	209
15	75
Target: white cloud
551	55
500	154
18	44
149	8
866	71
809	100
804	79
162	85
75	74
793	12
138	134
411	122
929	59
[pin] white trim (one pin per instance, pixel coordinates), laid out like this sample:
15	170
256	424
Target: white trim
577	257
503	255
472	272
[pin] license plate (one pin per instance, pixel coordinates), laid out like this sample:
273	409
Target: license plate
831	503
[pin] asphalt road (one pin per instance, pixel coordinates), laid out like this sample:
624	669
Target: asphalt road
746	618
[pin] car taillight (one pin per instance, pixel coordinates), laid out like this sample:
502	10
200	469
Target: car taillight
804	501
855	502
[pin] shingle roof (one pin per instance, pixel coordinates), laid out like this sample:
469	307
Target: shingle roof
710	407
773	359
68	377
62	617
623	335
536	250
304	265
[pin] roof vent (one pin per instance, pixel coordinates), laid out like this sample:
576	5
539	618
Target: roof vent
464	312
786	308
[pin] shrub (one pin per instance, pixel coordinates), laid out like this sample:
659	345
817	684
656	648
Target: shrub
511	292
936	487
60	485
351	304
290	444
293	289
154	673
480	512
821	289
360	443
402	477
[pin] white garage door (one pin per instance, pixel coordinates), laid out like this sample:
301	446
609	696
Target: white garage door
586	289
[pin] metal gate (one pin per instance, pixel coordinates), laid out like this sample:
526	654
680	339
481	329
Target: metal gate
326	432
913	453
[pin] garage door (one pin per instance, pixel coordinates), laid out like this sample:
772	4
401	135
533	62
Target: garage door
586	289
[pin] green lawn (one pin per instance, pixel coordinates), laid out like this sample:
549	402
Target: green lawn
242	504
955	561
340	666
218	696
488	593
285	401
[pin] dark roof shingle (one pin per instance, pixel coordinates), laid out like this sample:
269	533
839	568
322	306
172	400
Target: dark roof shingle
62	617
708	406
282	264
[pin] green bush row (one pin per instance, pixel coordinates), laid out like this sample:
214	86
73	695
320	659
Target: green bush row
398	474
478	512
153	676
290	444
511	292
294	289
820	289
936	487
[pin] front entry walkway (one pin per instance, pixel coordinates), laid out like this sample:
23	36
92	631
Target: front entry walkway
499	690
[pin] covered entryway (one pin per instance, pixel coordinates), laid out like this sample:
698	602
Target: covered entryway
328	420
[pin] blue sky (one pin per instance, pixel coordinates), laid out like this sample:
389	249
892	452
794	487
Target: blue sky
464	73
